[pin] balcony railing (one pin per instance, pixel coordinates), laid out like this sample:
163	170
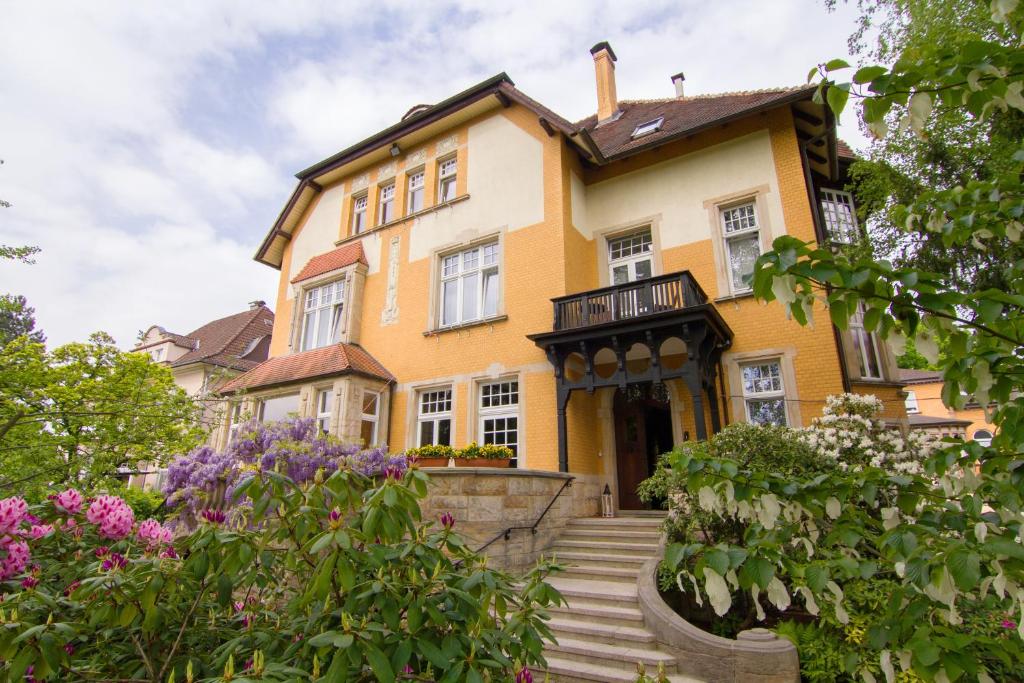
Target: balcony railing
671	292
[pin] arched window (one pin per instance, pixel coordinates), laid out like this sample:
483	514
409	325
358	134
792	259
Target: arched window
983	436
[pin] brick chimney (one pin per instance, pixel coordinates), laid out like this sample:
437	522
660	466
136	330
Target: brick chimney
604	68
677	81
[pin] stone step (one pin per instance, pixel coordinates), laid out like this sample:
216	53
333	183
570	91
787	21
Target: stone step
596	593
613	656
614	523
564	670
611	533
598	633
571	557
603	612
602	572
643	551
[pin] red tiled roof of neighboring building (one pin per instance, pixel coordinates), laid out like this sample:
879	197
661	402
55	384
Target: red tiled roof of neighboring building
681	116
336	359
332	260
844	150
177	339
920	376
226	342
918	420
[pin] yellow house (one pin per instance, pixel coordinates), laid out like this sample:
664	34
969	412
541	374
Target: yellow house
927	413
486	271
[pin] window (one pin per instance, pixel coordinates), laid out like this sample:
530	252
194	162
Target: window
983	437
499	415
324	404
157	354
435	417
370	418
649	127
321	322
359	214
386	204
630	257
742	244
866	345
415	194
469	285
447	171
763	393
279	408
911	402
235	420
840	218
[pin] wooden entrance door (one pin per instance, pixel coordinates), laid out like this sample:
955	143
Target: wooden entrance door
630	451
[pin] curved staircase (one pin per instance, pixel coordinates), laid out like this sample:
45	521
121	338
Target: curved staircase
600	631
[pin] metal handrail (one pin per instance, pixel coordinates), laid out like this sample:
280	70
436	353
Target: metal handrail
667	277
507	533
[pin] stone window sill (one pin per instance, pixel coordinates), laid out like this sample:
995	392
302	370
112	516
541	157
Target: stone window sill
749	294
403	219
465	326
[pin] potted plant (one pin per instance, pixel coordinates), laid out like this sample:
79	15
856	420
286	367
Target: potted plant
432	456
488	455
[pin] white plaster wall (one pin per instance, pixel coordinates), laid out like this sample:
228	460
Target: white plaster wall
190	379
321	229
677	189
505	184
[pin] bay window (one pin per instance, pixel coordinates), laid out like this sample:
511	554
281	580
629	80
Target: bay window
469	285
370	419
279	408
322	315
324	405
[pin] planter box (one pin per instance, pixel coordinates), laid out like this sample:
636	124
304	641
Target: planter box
482	462
433	462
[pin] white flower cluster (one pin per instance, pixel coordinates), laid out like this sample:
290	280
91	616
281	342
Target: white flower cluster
850	434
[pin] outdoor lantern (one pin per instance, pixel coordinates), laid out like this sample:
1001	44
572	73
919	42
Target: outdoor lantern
607	509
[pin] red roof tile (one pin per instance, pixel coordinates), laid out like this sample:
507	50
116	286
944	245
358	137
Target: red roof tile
920	376
681	116
337	359
223	342
333	260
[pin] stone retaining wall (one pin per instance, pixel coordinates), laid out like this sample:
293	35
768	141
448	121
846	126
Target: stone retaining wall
485	501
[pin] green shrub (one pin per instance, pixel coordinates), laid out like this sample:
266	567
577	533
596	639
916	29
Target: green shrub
147	504
485	452
431	451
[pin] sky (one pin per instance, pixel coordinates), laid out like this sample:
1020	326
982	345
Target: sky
148	147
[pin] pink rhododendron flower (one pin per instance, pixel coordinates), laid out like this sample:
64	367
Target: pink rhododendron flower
39	530
115	561
12	512
101	551
29	582
214	516
447	520
16	559
112	515
69	501
169	553
154	533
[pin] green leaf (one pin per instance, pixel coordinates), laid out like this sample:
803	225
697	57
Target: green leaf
837	97
379	663
717	560
965	568
866	74
674	555
127	615
817	577
836	65
224	588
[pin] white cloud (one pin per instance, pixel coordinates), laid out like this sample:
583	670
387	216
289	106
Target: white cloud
149	147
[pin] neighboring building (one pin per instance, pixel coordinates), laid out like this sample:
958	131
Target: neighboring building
203	360
485	270
927	412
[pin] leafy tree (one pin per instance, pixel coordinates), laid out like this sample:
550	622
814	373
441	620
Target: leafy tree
23	254
84	411
957	149
17	318
947	535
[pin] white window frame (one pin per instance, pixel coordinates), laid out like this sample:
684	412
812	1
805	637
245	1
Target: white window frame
911	403
263	404
986	440
447	174
456	269
647	127
324	408
500	411
840	216
386	203
751	395
439	400
360	203
736	234
866	345
638	253
374	417
336	319
235	420
416	184
157	354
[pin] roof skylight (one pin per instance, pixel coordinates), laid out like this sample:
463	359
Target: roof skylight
649	127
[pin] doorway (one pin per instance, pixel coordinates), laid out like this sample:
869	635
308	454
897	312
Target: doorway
643	431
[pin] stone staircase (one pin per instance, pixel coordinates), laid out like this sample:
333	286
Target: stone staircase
601	633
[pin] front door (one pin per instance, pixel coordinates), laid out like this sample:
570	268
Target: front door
643	431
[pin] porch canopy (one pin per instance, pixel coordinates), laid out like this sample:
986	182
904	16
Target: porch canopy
645	331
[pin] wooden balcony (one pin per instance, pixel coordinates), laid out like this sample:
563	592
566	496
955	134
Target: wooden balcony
630	301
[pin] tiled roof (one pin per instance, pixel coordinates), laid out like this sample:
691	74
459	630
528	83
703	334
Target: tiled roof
844	150
333	260
934	421
336	359
920	376
681	115
178	340
222	342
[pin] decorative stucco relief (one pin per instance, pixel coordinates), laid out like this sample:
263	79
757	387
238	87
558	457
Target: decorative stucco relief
360	182
387	170
417	157
447	144
389	316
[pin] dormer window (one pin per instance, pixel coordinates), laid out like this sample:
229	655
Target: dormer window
321	323
652	126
